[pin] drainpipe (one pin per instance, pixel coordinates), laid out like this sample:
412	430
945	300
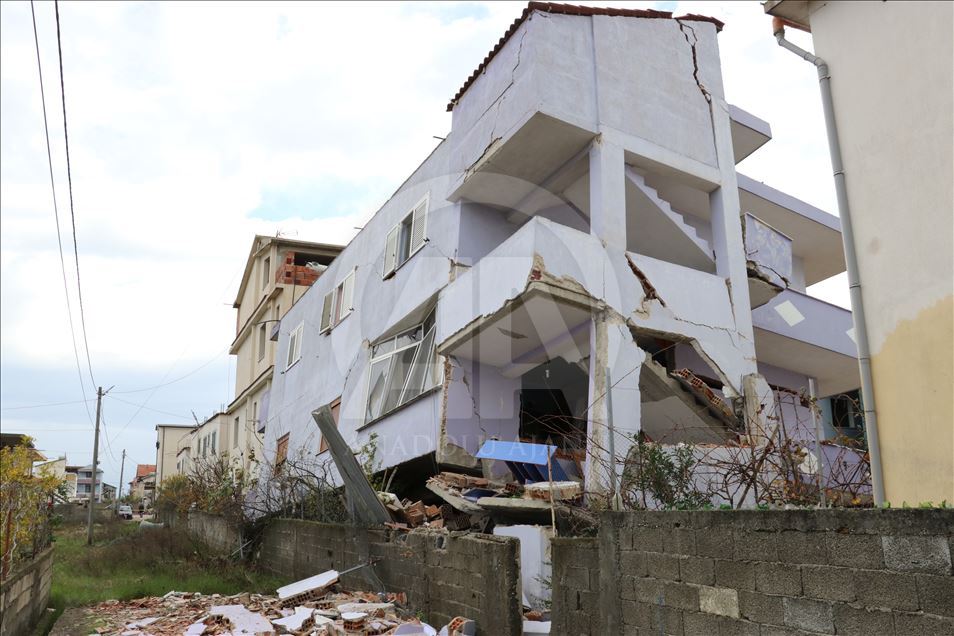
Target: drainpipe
851	259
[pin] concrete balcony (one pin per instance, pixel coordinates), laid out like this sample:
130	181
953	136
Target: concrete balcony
807	335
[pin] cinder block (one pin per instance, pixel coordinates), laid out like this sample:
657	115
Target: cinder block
631	562
697	570
737	627
736	574
930	555
715	542
829	583
778	578
756	546
761	608
719	600
802	547
698	624
936	594
662	566
680	541
647	539
855	551
905	623
813	616
680	595
636	614
854	620
886	589
666	620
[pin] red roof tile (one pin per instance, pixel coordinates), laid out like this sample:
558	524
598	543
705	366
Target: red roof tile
144	470
570	9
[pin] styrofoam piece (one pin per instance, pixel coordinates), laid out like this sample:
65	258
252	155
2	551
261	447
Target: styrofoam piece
412	629
536	627
306	585
353	616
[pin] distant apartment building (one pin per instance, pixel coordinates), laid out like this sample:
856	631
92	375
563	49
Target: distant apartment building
57	468
577	262
84	482
891	66
277	273
169	439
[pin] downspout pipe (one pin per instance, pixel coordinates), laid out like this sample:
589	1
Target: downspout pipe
851	260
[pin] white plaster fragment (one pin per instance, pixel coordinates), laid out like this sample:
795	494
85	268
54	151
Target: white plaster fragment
243	621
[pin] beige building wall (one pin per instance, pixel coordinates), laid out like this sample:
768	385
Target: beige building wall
168	437
893	89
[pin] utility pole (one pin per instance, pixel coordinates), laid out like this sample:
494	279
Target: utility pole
92	492
119	488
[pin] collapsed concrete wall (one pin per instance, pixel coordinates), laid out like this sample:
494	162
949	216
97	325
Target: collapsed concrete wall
795	571
443	574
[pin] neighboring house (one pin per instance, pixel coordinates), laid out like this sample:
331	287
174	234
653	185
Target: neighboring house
143	485
10	440
84	482
898	161
277	273
57	468
578	253
109	492
169	438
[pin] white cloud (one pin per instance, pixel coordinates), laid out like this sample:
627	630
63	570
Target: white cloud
187	119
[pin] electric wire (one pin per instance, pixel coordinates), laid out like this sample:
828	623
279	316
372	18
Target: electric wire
69	177
56	215
44	405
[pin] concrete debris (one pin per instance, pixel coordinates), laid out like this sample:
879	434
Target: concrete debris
330	612
558	490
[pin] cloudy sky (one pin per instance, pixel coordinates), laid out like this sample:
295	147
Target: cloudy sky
194	126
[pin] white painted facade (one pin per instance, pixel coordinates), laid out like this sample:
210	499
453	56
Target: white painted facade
583	209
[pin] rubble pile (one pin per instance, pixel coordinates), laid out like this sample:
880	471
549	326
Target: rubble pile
315	606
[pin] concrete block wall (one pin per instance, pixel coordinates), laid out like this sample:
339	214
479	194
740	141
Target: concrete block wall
762	573
215	532
24	595
575	586
443	574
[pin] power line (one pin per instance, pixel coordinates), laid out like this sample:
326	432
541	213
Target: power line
56	215
39	406
179	379
148	408
69	176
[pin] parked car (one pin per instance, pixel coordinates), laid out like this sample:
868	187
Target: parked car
125	512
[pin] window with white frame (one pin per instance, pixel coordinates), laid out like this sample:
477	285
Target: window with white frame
294	346
338	303
406	237
402	367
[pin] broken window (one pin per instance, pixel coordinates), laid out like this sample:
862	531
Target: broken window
281	452
847	413
402	367
294	346
406	238
338	303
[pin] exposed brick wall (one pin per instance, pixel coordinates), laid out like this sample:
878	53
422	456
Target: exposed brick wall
25	594
761	572
444	575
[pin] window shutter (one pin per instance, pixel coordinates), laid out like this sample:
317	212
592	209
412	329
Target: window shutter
390	250
326	312
347	294
419	226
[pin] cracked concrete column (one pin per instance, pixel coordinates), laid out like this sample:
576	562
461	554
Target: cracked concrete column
727	238
608	193
613	404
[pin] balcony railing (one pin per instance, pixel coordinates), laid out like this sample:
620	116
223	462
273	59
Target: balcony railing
768	252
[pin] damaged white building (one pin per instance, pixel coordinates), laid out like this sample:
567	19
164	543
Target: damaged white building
578	261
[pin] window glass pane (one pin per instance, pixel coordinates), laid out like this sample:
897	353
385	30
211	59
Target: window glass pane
399	372
409	337
404	240
419	372
376	387
383	348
